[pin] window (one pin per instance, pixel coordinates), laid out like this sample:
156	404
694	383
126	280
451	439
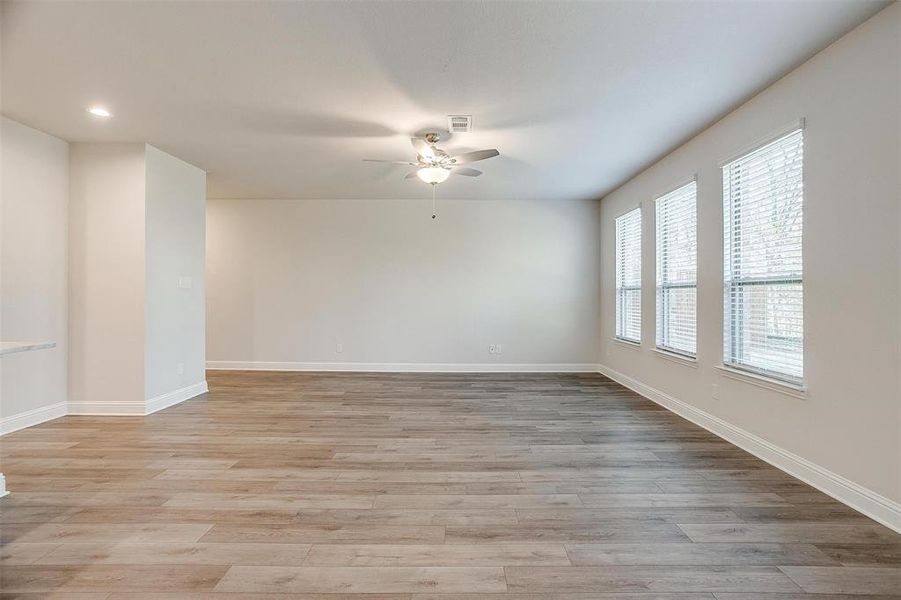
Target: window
763	204
677	270
628	276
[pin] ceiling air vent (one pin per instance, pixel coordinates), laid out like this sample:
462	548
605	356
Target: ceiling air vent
459	123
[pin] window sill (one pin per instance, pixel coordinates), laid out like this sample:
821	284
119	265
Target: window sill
761	381
687	361
627	343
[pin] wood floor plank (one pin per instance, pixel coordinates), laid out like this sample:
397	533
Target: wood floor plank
269	501
19	553
641	579
359	580
34	513
324	533
684	500
586	596
360	488
181	515
106	532
420	501
435	476
252	596
864	555
382	555
700	485
846	580
92	578
84	498
801	596
697	554
826	513
177	554
273	474
792	533
440	517
652	514
635	486
566	532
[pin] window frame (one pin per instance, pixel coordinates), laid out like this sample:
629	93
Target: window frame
732	333
620	315
661	314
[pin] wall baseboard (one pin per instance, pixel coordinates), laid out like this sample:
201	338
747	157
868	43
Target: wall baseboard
137	409
175	397
32	417
107	409
877	507
229	365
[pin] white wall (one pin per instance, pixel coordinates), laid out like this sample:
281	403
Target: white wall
849	423
34	199
175	316
106	278
136	227
288	280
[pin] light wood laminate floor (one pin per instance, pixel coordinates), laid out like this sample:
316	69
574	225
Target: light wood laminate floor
419	487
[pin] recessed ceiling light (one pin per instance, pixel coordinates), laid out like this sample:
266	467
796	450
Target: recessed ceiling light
99	111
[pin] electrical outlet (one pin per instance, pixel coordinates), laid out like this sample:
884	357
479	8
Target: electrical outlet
180	368
339	348
492	349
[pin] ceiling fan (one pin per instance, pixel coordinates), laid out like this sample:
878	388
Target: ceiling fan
434	165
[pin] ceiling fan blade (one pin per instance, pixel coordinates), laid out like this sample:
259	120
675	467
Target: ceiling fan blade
468	157
466	171
411	175
390	162
423	148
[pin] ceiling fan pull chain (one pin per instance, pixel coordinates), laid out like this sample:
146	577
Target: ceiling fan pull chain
434	212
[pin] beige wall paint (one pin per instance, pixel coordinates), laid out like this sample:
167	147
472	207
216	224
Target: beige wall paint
106	277
136	227
849	423
33	223
175	317
288	280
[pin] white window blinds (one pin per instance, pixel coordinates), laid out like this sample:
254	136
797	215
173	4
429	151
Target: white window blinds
677	270
763	205
628	276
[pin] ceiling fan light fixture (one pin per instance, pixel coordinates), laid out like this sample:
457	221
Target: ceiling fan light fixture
433	175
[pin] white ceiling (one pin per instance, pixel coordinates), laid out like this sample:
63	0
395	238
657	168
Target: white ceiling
284	99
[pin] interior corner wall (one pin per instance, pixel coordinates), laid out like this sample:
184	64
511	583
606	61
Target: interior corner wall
34	197
289	280
175	309
848	426
106	278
